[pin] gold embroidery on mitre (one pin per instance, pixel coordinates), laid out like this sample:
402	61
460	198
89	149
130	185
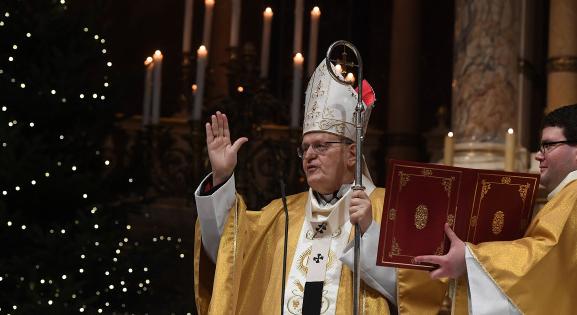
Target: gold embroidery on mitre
392	214
506	180
319	90
312	114
498	222
421	217
337	126
330	106
427	172
329	113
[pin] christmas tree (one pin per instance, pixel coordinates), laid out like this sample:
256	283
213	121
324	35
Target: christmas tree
68	241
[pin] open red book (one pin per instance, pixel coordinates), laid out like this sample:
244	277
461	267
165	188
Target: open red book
479	205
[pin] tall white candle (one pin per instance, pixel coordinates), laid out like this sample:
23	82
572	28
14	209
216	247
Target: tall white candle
157	86
510	150
235	22
208	7
313	40
265	48
449	149
298	30
187	28
298	60
149	65
202	54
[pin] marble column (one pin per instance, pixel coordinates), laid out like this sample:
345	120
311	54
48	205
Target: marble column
562	55
402	138
485	80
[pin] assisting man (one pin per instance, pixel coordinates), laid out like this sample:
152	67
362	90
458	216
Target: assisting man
538	273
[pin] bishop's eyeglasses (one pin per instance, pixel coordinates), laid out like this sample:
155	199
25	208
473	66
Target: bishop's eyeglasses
319	147
547	146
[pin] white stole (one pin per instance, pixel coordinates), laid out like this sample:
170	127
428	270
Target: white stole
339	227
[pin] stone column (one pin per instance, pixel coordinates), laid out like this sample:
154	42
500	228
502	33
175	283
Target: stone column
562	61
218	55
485	79
526	73
402	136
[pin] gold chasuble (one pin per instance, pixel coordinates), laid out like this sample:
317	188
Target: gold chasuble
538	273
247	278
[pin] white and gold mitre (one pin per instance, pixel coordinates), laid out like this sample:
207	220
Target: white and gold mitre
330	105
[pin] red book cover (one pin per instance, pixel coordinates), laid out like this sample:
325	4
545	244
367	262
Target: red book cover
479	205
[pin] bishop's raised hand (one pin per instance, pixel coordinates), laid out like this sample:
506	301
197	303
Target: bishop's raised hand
222	154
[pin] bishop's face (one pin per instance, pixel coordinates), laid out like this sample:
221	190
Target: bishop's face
555	161
328	161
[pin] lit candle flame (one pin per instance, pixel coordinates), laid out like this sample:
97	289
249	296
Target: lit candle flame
316	11
298	58
157	55
350	78
339	69
202	52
